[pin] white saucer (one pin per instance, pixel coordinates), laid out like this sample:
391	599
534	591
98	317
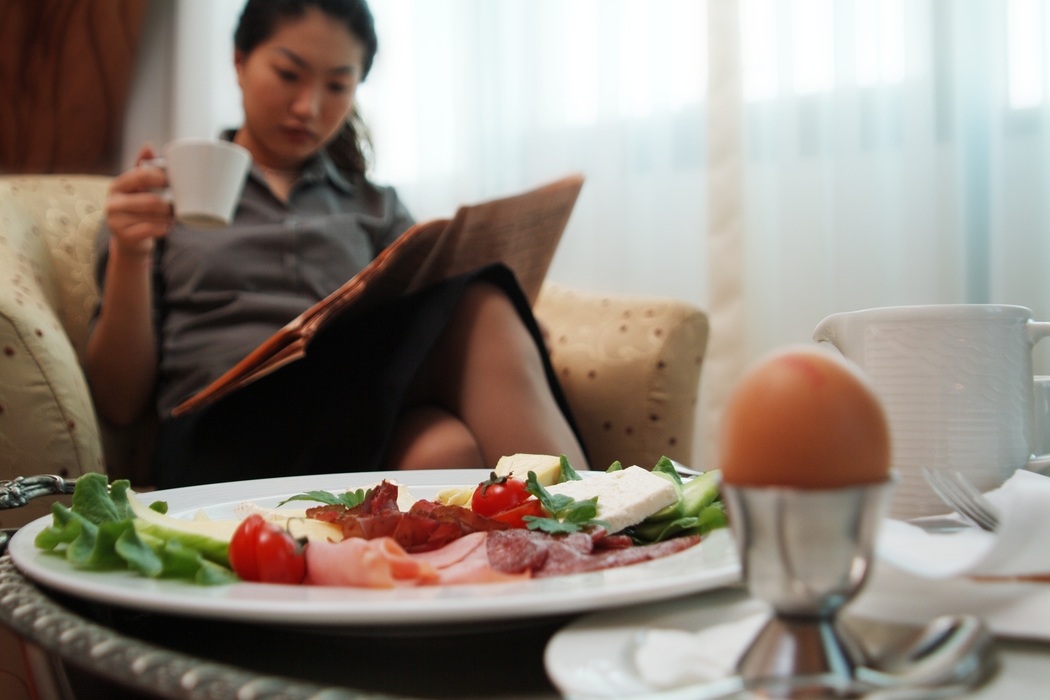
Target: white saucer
594	655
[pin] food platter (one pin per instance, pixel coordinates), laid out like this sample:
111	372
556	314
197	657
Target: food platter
711	564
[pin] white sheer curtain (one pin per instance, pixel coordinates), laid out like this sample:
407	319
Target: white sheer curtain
892	152
855	153
472	99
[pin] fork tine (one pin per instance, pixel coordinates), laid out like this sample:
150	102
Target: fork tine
965	504
948	494
987	509
935	479
949	491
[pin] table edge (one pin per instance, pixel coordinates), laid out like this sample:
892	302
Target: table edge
150	668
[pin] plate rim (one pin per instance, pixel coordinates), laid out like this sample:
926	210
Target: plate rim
258	602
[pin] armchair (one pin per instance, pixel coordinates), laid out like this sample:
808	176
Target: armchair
630	365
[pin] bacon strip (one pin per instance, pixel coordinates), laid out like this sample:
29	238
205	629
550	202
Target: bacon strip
426	527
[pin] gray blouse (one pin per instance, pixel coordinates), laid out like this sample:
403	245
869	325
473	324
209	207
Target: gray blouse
219	293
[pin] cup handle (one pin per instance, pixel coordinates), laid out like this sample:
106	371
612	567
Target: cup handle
162	163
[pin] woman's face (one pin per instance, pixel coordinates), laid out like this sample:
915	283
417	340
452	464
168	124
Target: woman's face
298	88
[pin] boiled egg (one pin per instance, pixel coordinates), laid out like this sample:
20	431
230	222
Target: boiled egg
804	418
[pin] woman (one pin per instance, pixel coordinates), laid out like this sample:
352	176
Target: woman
452	376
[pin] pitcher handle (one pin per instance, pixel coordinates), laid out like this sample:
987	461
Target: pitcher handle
1036	331
1038	463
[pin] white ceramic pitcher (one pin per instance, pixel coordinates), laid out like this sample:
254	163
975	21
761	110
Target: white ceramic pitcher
956	382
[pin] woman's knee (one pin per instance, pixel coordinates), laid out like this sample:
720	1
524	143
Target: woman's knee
429	437
496	329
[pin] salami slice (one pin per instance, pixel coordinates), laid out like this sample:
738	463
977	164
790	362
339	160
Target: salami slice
517	551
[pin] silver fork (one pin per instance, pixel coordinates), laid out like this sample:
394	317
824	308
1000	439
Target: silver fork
957	491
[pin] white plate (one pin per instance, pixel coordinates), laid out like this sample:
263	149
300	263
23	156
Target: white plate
711	564
594	656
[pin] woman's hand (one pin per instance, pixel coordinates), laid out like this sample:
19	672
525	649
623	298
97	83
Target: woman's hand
135	214
121	352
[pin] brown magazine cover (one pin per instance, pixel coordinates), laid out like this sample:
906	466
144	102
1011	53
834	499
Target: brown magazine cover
522	232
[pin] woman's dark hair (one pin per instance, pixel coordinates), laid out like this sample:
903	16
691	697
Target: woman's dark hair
350	148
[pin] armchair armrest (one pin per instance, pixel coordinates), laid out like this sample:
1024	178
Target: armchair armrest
630	367
47	419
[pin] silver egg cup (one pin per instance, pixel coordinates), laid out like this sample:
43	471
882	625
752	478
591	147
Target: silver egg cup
806	553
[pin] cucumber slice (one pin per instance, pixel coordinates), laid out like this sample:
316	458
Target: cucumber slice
210	537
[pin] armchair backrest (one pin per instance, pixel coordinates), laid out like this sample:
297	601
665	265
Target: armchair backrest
630	365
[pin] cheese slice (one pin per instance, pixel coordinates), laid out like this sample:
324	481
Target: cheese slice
547	467
294	519
625	498
456	496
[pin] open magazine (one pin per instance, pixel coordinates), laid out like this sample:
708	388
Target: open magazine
522	232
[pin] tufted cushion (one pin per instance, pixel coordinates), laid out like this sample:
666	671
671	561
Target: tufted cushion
47	229
630	367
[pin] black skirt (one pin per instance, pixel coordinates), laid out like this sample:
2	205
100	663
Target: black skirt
335	409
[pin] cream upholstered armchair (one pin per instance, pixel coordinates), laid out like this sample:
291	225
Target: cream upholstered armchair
630	365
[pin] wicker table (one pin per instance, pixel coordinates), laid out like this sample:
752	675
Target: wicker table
78	649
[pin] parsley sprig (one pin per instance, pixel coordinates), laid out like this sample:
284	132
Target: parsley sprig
567	514
348	499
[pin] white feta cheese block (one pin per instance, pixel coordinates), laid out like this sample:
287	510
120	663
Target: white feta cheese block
625	497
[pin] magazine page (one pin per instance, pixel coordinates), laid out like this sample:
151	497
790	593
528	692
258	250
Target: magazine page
522	232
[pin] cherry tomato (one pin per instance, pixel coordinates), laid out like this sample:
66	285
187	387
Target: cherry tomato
242	548
515	516
262	551
497	494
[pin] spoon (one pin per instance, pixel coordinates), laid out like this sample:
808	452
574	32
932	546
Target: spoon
951	655
952	651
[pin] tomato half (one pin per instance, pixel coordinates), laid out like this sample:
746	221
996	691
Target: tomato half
262	551
497	494
515	516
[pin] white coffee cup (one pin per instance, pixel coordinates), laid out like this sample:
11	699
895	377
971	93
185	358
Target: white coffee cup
205	179
956	382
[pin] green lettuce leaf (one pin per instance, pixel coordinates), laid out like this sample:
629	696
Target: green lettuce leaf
99	533
664	466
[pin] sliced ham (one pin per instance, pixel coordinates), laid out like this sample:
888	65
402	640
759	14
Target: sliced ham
475	568
452	552
378	563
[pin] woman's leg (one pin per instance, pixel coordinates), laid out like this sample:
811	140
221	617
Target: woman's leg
487	374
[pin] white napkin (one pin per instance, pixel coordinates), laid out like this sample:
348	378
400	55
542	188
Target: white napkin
667	658
1018	547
